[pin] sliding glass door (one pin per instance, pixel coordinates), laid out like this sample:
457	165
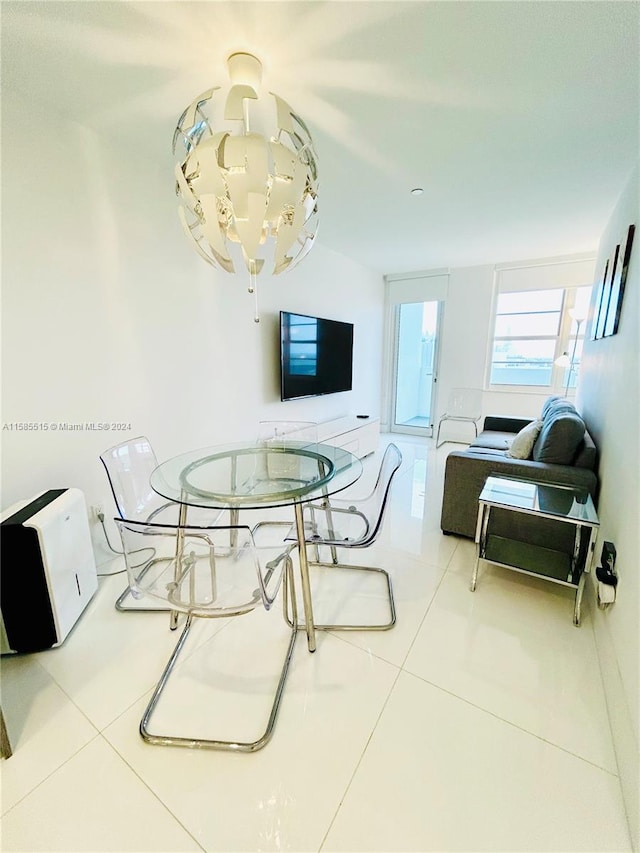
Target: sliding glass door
415	374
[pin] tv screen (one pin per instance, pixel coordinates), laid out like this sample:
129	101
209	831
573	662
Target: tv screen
316	356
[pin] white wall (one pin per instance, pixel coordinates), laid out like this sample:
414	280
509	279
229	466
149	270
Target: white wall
463	348
608	396
108	314
466	329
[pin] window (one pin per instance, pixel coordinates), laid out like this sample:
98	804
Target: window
533	328
303	345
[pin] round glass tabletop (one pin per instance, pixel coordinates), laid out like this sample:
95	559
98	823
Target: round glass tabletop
251	475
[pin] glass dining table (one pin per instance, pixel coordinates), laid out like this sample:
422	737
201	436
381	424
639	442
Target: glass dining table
255	476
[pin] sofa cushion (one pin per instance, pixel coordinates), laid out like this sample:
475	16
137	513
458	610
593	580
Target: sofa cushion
494	440
522	444
555	405
586	456
561	434
547	405
486	451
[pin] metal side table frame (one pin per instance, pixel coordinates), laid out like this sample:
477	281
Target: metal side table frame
544	500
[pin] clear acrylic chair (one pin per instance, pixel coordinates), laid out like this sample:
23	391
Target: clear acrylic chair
465	404
279	435
286	433
353	523
195	571
283	435
129	466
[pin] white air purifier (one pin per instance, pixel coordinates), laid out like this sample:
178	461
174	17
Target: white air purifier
47	570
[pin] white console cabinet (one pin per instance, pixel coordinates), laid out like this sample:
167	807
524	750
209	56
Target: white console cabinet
359	436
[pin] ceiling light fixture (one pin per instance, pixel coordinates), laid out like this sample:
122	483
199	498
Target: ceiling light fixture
247	177
417	191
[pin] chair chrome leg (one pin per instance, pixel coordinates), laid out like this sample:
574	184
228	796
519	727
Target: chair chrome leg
332	532
204	743
175	615
260	524
289	583
119	605
578	600
386	626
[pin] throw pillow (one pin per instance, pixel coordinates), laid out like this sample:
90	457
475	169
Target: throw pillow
559	438
522	444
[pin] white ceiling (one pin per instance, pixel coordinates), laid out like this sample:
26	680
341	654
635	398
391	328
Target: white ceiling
519	119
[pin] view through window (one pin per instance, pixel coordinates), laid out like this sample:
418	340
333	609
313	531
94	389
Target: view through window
532	329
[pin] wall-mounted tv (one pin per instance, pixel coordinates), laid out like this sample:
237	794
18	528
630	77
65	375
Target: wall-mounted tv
316	356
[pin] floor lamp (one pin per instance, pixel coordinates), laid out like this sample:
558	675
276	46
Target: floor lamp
564	360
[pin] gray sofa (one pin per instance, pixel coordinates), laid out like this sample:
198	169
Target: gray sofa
563	453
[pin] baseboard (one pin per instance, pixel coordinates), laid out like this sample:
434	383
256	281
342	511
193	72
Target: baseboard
625	739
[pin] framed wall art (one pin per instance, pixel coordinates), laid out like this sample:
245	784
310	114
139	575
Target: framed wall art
607	305
618	281
605	293
595	309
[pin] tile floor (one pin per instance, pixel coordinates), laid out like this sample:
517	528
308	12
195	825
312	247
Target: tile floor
477	723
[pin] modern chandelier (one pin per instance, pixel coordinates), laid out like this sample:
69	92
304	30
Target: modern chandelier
247	177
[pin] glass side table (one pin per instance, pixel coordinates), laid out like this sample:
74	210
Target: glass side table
544	500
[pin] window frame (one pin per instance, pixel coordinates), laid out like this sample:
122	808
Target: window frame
563	342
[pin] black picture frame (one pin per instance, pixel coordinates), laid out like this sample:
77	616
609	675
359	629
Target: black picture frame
614	289
607	305
597	301
606	294
618	282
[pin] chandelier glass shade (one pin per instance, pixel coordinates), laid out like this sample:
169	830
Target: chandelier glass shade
247	176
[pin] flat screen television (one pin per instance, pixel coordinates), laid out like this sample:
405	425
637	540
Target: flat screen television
316	356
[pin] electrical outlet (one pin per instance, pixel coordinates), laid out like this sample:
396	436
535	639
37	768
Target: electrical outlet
95	511
609	556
